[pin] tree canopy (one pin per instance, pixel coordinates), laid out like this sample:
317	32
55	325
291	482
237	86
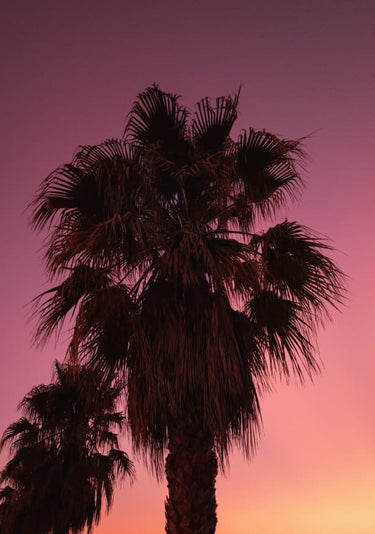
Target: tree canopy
158	245
65	456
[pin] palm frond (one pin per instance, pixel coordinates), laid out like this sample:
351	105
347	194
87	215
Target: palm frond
296	266
20	434
121	463
158	118
77	188
97	201
52	310
103	329
211	126
267	169
285	333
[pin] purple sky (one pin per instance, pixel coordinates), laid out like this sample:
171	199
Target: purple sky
70	72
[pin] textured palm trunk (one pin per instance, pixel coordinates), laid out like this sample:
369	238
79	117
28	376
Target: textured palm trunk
191	469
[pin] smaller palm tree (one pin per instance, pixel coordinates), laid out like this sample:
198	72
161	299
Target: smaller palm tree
65	455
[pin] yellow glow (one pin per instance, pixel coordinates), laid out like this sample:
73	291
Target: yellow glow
328	510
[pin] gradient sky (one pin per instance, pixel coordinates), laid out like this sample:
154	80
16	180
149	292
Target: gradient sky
70	71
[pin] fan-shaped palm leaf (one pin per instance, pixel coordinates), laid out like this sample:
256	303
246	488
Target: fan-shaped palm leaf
52	310
157	117
267	169
211	126
296	266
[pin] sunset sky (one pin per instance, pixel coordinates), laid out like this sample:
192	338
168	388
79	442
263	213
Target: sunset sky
69	74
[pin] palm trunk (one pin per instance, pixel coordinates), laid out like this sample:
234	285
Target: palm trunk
191	469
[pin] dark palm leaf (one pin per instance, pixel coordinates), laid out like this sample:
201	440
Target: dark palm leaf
52	310
211	126
104	327
158	118
295	265
267	168
99	198
283	329
20	433
78	187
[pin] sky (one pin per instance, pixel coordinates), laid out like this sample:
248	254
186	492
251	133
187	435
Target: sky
70	72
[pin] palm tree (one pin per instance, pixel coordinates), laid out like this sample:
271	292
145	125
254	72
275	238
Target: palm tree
65	455
174	286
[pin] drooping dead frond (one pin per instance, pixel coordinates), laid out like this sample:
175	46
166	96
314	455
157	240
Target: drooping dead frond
217	346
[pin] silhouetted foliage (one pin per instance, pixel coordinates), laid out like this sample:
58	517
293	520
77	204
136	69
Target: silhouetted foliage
65	456
171	287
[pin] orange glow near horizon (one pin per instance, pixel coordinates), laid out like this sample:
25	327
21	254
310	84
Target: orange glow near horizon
333	511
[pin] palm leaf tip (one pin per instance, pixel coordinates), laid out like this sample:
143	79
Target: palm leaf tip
52	307
267	167
211	126
283	329
297	266
156	116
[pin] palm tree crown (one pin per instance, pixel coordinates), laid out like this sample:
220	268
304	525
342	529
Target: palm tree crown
169	281
65	456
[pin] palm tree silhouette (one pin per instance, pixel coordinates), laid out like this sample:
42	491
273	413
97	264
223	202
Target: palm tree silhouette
65	455
174	287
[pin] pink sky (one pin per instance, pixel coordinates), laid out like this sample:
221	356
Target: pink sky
70	71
